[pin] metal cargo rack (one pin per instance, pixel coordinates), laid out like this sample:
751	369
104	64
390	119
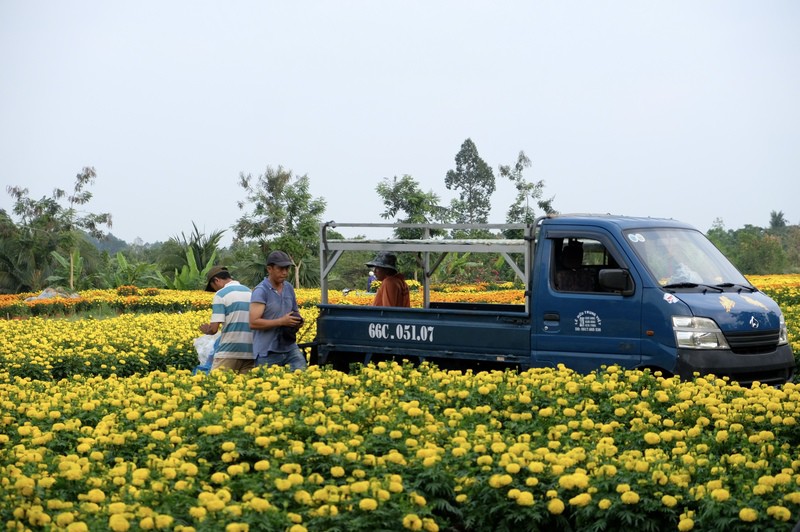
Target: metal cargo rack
331	249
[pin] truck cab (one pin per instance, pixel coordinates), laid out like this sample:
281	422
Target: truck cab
598	290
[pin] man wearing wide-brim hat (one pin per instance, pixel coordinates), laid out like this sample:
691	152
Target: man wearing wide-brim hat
393	291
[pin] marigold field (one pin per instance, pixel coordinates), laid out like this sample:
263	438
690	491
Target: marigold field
104	427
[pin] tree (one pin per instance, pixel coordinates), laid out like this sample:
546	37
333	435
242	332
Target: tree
45	225
474	180
521	211
758	252
405	196
284	216
777	221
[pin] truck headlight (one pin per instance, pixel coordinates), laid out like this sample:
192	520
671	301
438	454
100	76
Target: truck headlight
697	333
783	334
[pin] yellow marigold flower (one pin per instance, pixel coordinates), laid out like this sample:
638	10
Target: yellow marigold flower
118	523
283	484
580	500
513	468
720	495
622	488
461	497
685	524
228	446
484	460
651	438
418	499
147	523
783	478
604	504
412	522
337	471
368	504
237	527
429	525
78	526
555	506
298	528
96	495
64	518
189	469
117	508
748	515
219	477
630	497
669	501
498	481
258	504
780	513
361	486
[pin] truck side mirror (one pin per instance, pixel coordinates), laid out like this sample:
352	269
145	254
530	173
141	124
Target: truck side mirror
616	280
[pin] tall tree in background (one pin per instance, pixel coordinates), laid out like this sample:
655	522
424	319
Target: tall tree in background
405	196
528	193
45	226
284	215
474	180
777	221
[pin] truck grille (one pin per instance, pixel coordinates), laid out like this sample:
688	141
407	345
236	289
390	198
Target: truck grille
753	343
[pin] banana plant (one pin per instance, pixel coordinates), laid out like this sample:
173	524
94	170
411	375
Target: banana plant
190	277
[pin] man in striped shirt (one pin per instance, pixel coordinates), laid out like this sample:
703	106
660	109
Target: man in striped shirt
230	310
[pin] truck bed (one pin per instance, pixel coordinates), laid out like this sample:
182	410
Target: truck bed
489	333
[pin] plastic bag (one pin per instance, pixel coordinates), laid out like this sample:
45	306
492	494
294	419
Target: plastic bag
205	346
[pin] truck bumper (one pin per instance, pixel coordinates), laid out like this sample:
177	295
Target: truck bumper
773	368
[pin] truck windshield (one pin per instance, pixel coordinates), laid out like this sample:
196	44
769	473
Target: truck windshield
684	258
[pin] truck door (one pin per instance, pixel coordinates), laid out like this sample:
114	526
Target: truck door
575	321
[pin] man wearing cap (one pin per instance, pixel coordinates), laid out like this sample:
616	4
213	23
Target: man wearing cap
275	317
393	291
230	309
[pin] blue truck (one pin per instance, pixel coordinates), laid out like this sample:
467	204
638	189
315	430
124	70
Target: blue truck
599	290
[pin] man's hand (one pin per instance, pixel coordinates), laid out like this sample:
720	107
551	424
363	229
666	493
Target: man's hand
292	319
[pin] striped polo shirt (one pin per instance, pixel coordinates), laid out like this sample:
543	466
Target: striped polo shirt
231	308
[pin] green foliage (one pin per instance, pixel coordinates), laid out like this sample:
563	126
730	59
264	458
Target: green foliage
124	272
190	277
45	226
521	211
284	216
755	250
405	196
202	247
475	181
66	267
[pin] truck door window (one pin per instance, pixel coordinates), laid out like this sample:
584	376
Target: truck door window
577	262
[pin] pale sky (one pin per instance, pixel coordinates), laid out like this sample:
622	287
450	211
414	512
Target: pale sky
682	109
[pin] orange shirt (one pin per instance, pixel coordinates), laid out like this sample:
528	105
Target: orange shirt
393	292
